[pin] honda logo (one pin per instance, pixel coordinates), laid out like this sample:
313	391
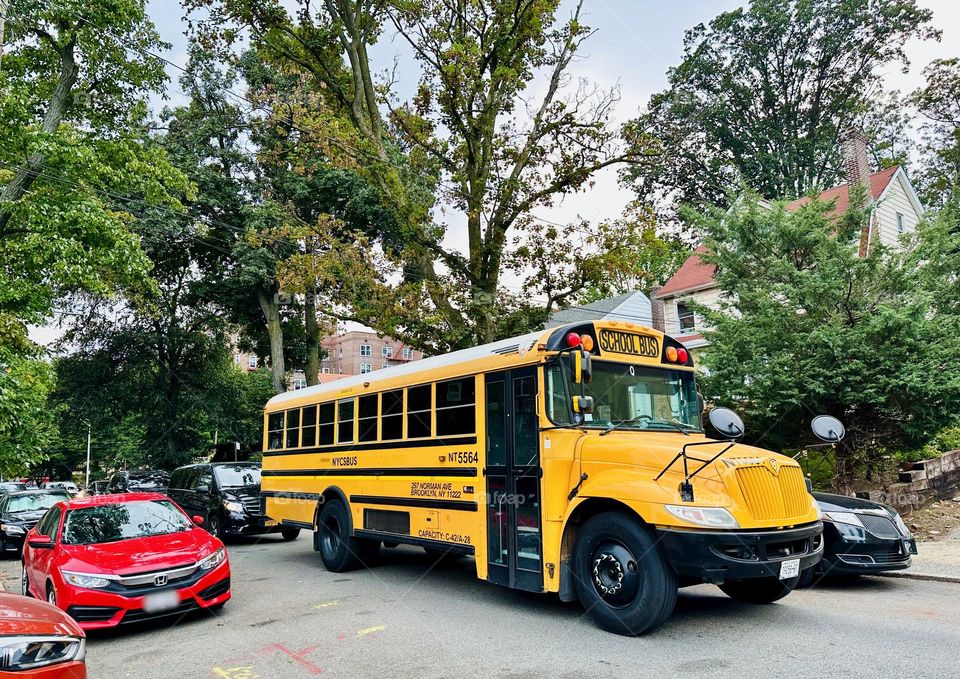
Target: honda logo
160	580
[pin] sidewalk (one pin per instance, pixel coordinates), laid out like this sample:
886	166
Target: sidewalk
936	561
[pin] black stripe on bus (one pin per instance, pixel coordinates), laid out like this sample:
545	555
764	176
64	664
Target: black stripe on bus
379	445
382	471
291	495
461	505
419	542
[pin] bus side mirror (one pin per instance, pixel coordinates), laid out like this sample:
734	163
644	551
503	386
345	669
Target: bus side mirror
581	366
583	404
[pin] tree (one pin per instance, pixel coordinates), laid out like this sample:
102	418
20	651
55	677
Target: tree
806	326
467	134
764	94
939	102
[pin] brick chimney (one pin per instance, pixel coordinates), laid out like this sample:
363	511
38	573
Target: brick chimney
855	160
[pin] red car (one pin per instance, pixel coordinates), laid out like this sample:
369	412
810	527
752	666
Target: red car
38	640
113	559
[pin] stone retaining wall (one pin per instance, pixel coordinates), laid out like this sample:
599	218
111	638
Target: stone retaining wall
921	483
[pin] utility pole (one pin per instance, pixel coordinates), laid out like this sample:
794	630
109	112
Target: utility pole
3	22
87	483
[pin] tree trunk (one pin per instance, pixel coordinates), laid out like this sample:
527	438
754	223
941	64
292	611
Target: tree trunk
312	369
271	311
59	103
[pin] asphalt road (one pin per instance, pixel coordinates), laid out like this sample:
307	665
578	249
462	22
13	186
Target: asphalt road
410	617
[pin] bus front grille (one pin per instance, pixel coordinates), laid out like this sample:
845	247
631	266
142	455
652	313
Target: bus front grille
769	496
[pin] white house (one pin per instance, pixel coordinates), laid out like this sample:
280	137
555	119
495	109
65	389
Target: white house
895	211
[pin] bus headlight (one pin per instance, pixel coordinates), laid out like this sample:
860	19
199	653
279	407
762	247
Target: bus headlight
711	517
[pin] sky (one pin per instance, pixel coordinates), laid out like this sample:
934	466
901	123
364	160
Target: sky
634	43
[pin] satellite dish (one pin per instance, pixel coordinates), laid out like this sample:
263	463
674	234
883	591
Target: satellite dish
726	422
828	428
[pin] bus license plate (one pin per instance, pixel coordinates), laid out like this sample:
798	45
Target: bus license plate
161	601
789	569
269	523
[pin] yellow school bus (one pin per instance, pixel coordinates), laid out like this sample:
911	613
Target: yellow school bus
571	460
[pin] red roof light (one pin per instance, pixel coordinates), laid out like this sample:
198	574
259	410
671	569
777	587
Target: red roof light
573	340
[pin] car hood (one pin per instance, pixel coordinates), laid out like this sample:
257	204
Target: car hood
830	502
20	615
23	518
139	555
243	492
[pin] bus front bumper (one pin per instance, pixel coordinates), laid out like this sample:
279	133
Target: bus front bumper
717	556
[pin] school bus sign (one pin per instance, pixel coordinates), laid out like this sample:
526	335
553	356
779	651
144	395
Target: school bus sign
620	342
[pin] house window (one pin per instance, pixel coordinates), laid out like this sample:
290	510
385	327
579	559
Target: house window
366	350
387	352
900	225
238	359
252	362
325	371
299	383
340	352
365	368
685	314
407	353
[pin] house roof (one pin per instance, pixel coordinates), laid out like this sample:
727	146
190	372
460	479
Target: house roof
630	306
694	273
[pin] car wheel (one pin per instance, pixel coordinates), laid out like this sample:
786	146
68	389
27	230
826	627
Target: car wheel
621	577
24	581
213	525
51	594
290	534
339	550
807	578
759	590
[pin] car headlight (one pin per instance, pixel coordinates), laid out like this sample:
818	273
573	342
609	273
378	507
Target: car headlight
232	506
87	580
10	529
27	653
711	517
213	560
843	517
901	526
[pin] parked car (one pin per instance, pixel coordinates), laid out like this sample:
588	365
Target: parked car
98	487
144	480
227	496
11	486
116	559
68	486
38	640
860	536
20	511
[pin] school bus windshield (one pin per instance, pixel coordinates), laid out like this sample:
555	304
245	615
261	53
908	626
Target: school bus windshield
627	396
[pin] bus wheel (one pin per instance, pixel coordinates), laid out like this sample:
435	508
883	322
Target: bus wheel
622	579
339	550
759	590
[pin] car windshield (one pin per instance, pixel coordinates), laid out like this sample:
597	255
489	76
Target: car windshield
635	397
147	482
237	476
34	503
12	487
123	521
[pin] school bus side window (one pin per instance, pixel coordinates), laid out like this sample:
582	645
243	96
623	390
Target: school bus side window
391	419
308	436
367	418
325	429
419	406
275	431
456	410
345	421
293	428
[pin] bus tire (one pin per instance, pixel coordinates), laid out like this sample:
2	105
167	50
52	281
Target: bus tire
339	550
621	577
759	590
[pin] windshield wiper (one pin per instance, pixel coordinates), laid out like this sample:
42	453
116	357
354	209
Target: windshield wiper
681	427
621	423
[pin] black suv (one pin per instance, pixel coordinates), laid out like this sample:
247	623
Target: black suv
141	481
227	496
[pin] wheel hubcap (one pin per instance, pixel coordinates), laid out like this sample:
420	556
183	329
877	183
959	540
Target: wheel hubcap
615	574
24	585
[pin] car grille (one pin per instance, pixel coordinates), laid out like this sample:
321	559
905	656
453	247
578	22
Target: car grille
216	589
783	496
252	506
91	613
880	526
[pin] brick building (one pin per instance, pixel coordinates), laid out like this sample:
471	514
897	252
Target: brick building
358	352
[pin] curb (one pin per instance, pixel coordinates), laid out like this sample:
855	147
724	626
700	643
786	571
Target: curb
930	577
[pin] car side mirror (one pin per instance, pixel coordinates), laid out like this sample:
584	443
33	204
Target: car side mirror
827	428
726	422
41	542
198	520
581	366
203	489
